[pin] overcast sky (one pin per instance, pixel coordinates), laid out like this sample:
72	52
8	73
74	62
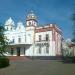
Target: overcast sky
47	11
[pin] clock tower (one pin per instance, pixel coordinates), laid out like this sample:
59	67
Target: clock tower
31	19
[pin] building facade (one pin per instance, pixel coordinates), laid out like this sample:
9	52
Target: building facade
32	40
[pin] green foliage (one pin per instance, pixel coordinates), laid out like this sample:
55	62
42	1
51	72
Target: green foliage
66	50
3	61
73	19
3	43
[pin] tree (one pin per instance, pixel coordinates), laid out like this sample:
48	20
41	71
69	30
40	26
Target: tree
3	43
73	19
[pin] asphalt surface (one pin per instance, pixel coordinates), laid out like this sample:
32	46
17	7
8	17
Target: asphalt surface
38	67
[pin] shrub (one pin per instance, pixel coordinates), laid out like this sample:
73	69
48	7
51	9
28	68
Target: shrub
68	59
3	61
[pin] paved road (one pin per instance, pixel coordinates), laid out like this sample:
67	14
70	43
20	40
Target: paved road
38	67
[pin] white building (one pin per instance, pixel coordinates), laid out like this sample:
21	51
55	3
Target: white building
33	40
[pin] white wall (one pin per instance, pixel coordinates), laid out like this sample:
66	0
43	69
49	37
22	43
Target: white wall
32	39
43	49
43	35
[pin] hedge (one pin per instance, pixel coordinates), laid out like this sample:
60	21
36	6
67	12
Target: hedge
69	59
4	61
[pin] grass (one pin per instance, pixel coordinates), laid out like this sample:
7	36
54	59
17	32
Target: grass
38	67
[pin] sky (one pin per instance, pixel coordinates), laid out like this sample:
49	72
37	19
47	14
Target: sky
47	11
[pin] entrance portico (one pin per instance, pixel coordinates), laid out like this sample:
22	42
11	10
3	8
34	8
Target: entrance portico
18	50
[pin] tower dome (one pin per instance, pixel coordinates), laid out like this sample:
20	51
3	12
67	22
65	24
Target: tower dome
31	16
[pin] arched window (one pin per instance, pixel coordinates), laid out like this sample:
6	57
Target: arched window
30	23
7	28
11	28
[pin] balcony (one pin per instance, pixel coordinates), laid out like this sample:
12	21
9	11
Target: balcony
42	41
19	44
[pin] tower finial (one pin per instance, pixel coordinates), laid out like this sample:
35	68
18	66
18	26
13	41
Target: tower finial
31	12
